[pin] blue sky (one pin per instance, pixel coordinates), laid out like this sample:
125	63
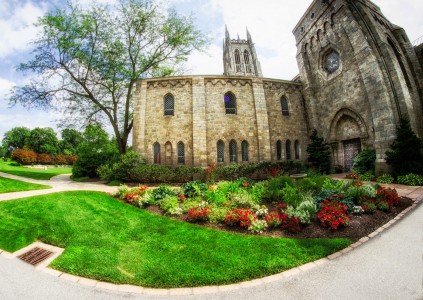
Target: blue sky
270	23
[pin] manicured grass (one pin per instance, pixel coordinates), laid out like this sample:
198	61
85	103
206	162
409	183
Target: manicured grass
9	185
7	167
108	240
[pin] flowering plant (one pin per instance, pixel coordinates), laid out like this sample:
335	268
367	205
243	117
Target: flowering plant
353	176
333	214
273	218
257	226
198	214
239	216
388	195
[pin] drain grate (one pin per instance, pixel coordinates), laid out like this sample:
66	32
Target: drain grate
35	256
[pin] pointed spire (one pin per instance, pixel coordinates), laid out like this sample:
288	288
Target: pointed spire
227	33
237	35
249	36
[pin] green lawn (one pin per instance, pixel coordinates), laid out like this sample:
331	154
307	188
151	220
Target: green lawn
108	240
7	167
9	185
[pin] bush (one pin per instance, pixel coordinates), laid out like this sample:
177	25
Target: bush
170	205
304	211
215	196
243	199
45	159
385	178
122	169
319	153
198	214
333	214
273	218
162	192
357	192
194	188
365	161
334	196
217	214
368	176
24	157
405	154
273	187
239	217
410	179
257	226
388	196
164	174
61	159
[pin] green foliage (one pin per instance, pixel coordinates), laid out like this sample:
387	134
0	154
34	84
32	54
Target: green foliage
333	195
365	161
138	39
311	184
410	179
217	214
43	140
194	188
71	139
95	150
333	185
357	192
122	169
405	154
170	205
319	153
305	209
291	196
15	138
163	174
243	199
162	192
216	197
273	187
368	176
385	178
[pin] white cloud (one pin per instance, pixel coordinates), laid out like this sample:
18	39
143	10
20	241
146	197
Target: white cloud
16	23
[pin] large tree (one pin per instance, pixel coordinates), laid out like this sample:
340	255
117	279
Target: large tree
89	60
43	140
319	153
16	138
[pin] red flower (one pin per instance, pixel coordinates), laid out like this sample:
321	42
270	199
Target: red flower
246	184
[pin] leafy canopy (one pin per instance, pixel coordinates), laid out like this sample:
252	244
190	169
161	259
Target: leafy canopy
89	60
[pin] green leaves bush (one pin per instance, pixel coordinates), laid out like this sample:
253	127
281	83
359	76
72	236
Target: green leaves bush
410	179
365	161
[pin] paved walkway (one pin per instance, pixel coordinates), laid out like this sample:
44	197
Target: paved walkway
388	266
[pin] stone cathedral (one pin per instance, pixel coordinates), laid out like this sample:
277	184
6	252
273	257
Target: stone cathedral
359	74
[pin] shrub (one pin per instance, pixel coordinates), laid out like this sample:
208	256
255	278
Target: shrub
71	159
198	214
215	196
194	188
385	178
217	214
162	192
357	192
190	203
304	211
24	157
291	224
319	153
368	204
164	174
273	218
262	211
388	196
273	187
170	205
243	199
333	185
122	169
405	154
45	159
368	176
333	214
334	196
410	179
257	226
61	159
239	217
365	161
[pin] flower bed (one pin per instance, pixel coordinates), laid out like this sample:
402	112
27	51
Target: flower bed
280	207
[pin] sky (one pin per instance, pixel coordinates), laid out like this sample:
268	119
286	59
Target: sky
270	23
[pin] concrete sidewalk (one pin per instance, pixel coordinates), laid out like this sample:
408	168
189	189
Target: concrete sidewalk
388	266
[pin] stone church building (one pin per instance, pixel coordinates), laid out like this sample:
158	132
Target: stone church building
359	74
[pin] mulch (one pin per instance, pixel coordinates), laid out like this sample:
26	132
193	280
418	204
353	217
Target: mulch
359	226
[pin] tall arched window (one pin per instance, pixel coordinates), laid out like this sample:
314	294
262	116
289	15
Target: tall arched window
247	61
278	150
233	157
181	153
230	103
238	61
244	148
169	105
220	152
297	149
284	106
168	153
288	150
156	153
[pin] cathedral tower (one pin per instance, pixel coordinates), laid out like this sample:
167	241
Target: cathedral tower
239	57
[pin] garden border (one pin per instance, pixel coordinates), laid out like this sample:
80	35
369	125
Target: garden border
132	289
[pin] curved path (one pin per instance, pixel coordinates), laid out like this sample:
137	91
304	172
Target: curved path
388	266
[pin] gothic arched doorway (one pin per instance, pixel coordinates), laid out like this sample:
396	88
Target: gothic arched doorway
348	135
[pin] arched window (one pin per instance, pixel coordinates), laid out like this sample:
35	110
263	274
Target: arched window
156	153
284	106
288	150
169	105
181	153
233	157
278	150
168	153
297	149
230	103
220	152
238	61
244	148
247	61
